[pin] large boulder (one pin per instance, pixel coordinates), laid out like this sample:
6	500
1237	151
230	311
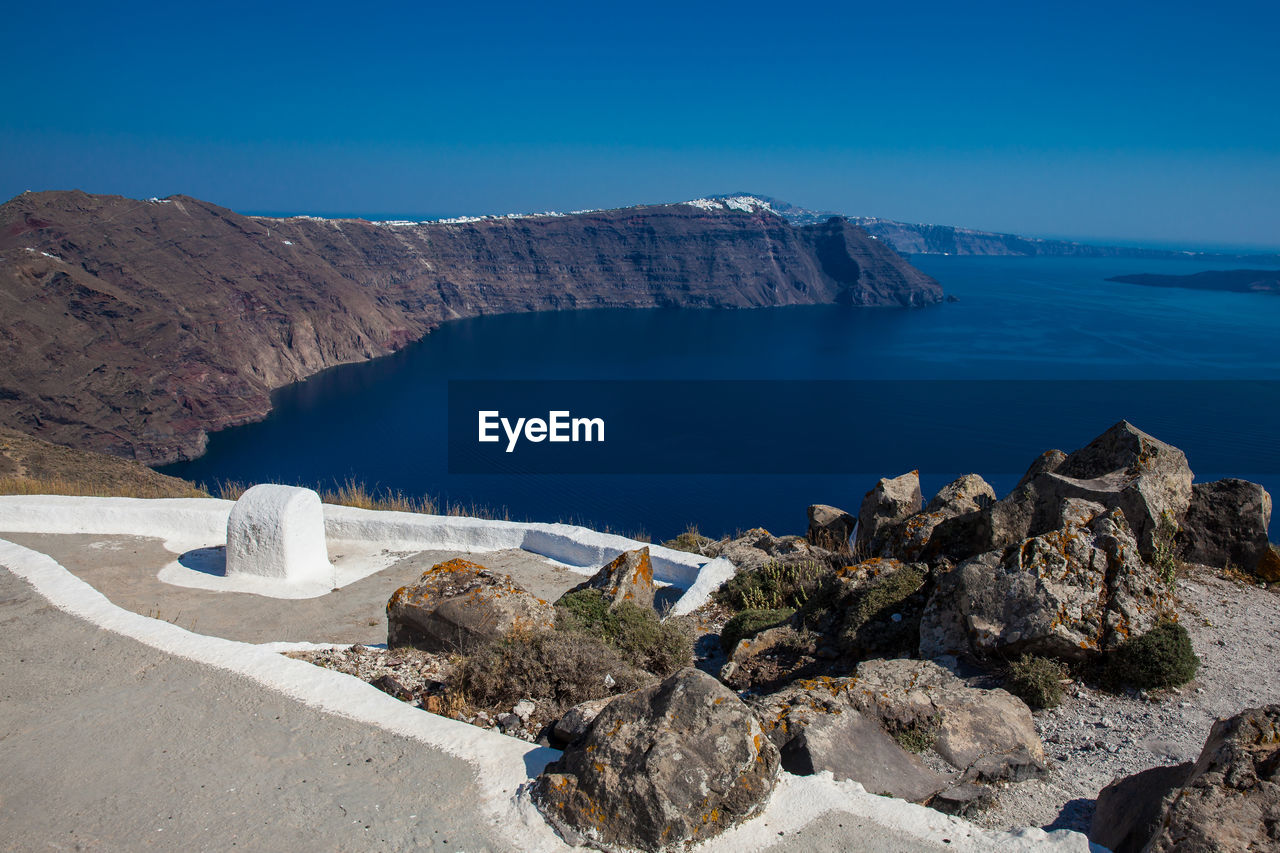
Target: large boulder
817	728
890	503
628	577
919	538
1124	468
1231	800
1268	568
1071	593
459	606
665	766
830	527
1226	523
988	735
1129	809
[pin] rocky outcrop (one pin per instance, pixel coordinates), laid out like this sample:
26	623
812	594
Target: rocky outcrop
1071	593
135	327
1226	524
988	735
1229	800
830	527
459	606
758	548
884	509
628	577
919	537
668	765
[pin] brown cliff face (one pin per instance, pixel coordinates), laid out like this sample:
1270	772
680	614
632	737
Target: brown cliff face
134	327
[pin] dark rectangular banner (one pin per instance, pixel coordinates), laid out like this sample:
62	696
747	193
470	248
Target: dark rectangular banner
835	426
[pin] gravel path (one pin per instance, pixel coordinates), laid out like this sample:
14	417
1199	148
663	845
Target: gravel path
1095	737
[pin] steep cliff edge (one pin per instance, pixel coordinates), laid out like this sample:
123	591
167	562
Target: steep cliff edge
134	327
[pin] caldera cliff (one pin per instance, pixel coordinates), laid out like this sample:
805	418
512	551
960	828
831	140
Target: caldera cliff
135	327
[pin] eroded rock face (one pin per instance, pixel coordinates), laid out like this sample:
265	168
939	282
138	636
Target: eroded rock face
459	606
1129	809
628	577
965	497
667	765
1073	592
830	527
816	728
884	508
988	735
1226	523
1124	468
1231	799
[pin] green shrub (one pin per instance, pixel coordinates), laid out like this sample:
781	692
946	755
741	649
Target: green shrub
657	646
772	586
1164	551
1037	681
556	669
919	735
748	623
1162	657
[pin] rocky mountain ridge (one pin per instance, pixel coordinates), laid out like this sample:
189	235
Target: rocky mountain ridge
135	327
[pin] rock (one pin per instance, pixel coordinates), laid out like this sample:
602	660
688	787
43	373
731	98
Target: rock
769	659
578	719
1070	593
668	765
884	508
830	527
390	685
816	728
278	532
963	799
863	601
1231	799
629	577
852	746
459	606
988	735
524	709
1124	468
967	496
1226	523
1129	810
757	548
1268	568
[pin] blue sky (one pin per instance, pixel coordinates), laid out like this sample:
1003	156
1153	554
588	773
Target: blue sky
1131	122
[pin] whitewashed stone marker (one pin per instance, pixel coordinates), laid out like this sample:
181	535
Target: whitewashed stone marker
278	532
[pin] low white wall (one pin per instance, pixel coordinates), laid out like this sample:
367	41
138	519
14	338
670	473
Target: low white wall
188	523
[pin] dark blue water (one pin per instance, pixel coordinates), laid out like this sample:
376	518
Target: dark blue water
384	422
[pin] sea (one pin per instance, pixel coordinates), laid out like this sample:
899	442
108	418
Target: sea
1032	354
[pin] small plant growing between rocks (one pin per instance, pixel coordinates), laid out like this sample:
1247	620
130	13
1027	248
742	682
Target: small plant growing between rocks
1160	658
918	736
1037	681
1164	557
748	623
771	587
691	540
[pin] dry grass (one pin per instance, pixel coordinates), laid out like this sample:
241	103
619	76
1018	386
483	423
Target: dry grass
354	493
89	487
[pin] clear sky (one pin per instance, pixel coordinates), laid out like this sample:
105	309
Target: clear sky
1138	122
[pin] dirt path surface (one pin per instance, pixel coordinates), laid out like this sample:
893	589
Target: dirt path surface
1094	737
123	568
111	745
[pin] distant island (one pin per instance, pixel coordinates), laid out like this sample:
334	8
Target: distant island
1233	281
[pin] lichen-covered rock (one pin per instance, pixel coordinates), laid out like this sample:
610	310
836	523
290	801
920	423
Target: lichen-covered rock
988	735
667	765
769	659
1226	524
628	577
817	728
967	496
1070	593
891	502
1231	800
873	609
458	606
577	720
1124	468
830	527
